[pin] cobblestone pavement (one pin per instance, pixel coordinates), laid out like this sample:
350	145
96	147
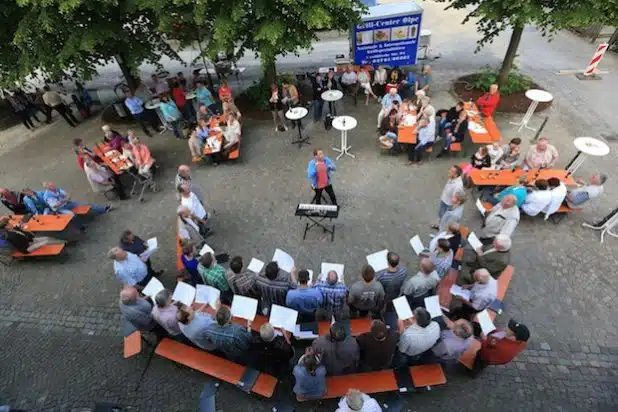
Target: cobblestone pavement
60	329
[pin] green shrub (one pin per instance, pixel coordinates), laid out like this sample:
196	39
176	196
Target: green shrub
515	82
259	92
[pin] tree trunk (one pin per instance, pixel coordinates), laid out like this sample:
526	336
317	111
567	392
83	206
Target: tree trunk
511	51
126	72
269	69
199	45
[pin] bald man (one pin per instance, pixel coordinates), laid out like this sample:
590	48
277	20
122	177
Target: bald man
495	258
135	309
501	220
483	292
420	285
184	177
335	297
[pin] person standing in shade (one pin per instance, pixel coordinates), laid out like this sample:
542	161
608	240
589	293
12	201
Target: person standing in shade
55	102
318	173
136	107
317	103
276	107
20	109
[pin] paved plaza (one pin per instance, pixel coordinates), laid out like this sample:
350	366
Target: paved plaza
60	328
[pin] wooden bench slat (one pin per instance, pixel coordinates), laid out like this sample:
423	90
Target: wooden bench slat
132	344
212	365
455	147
366	382
81	210
47	250
427	375
504	280
467	358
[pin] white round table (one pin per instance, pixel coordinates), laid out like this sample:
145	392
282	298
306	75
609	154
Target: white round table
332	96
586	145
536	96
344	124
296	114
155	104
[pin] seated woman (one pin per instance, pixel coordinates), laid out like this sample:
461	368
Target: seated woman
195	145
101	179
113	139
82	152
230	107
495	152
142	158
231	135
456	132
203	131
388	129
22	240
480	159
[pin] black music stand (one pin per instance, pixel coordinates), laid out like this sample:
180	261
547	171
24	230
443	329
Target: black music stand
317	221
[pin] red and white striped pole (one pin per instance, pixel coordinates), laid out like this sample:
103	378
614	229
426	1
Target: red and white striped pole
596	59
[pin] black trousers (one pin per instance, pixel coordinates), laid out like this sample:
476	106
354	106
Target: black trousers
25	118
331	193
66	113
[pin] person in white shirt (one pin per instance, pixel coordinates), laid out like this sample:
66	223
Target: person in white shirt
349	83
418	335
454	184
356	401
189	200
232	135
502	219
538	199
558	193
495	152
483	292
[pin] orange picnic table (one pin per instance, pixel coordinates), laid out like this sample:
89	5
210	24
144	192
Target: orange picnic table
44	223
406	134
116	162
492	133
510	177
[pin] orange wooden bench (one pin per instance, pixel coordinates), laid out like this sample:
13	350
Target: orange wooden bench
179	265
467	358
214	366
47	250
455	147
464	231
81	210
357	326
423	376
44	223
132	344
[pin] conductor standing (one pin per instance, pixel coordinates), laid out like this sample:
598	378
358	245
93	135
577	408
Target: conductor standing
318	173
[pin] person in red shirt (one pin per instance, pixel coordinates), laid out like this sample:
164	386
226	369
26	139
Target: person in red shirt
318	173
224	91
185	106
488	102
502	346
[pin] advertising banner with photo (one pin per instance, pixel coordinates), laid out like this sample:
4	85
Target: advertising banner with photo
391	41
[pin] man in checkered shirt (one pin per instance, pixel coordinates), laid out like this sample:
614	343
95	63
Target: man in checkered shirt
335	294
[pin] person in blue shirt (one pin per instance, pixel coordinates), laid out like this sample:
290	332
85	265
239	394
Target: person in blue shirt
136	107
318	173
310	376
171	114
190	262
304	299
387	104
35	202
204	97
519	191
203	131
59	201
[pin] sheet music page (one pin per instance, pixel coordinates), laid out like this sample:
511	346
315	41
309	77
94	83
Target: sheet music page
378	260
417	244
486	324
153	287
402	307
244	307
207	294
474	241
285	261
255	266
282	317
184	293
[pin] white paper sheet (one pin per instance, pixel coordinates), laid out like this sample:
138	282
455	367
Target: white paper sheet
255	265
417	244
480	207
214	144
298	334
184	293
153	245
206	249
285	261
486	324
402	307
310	276
207	294
378	260
153	287
282	317
474	241
432	304
457	290
327	267
244	307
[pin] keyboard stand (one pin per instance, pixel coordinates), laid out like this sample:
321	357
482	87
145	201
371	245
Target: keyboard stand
317	221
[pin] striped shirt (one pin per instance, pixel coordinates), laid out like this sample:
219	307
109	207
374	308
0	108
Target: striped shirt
442	262
274	291
214	276
416	340
242	283
335	295
392	281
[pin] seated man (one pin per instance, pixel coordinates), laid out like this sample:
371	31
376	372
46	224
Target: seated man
194	326
14	201
335	297
442	258
270	353
241	281
537	199
494	258
304	299
213	274
585	192
541	155
339	352
454	341
502	219
377	347
128	268
356	401
502	346
102	179
387	104
230	338
349	83
558	193
142	158
35	202
519	191
273	286
21	239
366	295
164	312
482	293
421	285
60	202
418	335
135	309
